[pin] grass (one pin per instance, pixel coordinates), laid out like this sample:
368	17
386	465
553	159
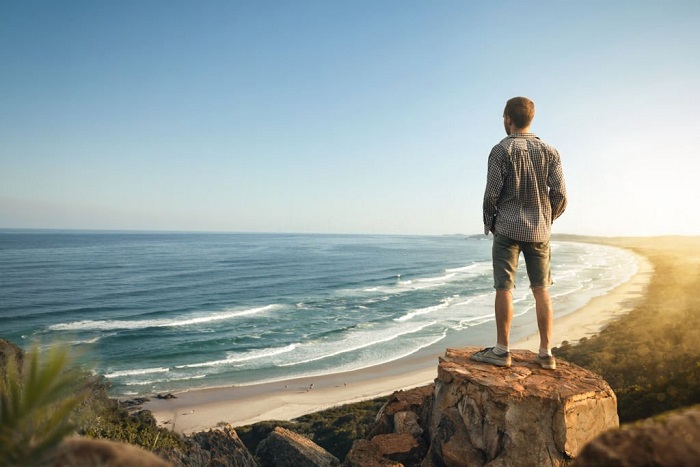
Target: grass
650	357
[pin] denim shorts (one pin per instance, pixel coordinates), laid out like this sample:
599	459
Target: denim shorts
505	262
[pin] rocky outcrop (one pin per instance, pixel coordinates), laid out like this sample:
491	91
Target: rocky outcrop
405	449
86	452
405	412
364	453
224	448
8	350
477	414
522	415
671	439
284	448
399	435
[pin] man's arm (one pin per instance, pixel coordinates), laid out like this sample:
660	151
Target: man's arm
557	187
494	185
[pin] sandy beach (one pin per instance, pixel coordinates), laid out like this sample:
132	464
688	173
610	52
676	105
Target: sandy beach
202	409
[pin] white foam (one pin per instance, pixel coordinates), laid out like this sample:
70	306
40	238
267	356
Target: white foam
420	283
461	269
87	341
355	341
243	357
108	325
440	278
142	371
355	365
423	311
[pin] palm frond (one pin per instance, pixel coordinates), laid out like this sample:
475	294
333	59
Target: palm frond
36	403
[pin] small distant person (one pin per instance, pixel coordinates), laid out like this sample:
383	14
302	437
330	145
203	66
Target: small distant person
525	193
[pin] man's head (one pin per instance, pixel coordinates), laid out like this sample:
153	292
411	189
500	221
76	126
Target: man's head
518	114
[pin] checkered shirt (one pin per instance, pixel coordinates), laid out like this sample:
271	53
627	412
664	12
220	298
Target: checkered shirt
525	190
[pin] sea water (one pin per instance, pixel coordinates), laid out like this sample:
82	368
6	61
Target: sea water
156	312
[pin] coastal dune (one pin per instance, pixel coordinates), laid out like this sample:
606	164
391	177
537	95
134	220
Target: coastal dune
199	410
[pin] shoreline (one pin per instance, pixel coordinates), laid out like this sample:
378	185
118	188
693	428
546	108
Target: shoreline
201	409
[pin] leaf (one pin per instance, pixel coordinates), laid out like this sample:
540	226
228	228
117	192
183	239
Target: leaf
36	405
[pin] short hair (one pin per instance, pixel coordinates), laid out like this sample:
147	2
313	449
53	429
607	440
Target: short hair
521	110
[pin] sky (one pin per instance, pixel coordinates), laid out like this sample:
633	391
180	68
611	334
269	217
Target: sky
369	117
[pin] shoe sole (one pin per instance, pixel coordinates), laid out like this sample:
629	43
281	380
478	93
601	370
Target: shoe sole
500	363
546	366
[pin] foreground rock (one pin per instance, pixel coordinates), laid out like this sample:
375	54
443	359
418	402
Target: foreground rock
224	448
672	439
284	448
403	448
522	415
86	452
405	412
364	453
399	436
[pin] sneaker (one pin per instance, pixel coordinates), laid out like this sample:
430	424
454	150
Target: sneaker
488	356
548	362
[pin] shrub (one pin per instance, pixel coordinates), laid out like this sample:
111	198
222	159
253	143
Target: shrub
37	398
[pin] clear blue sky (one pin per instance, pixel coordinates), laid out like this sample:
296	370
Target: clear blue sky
341	116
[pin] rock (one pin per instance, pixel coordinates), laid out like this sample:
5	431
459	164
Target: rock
192	456
522	415
399	434
86	452
672	439
417	400
284	448
225	448
407	423
403	448
133	405
364	453
166	396
9	350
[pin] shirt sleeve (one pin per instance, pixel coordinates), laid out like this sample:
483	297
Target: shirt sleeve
557	187
494	184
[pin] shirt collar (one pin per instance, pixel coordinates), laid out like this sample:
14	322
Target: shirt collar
522	135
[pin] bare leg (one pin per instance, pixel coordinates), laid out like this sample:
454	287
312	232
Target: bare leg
545	315
504	316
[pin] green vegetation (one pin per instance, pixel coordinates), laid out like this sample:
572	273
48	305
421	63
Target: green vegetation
101	417
334	429
37	397
43	398
651	357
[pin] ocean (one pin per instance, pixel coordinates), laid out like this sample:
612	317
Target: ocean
165	312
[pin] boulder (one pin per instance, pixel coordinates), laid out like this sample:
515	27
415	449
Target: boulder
403	448
407	423
224	447
417	401
670	439
364	453
522	415
284	448
87	452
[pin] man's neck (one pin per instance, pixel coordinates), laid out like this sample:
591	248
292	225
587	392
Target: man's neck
515	130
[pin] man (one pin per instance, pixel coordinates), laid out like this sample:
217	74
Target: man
525	192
